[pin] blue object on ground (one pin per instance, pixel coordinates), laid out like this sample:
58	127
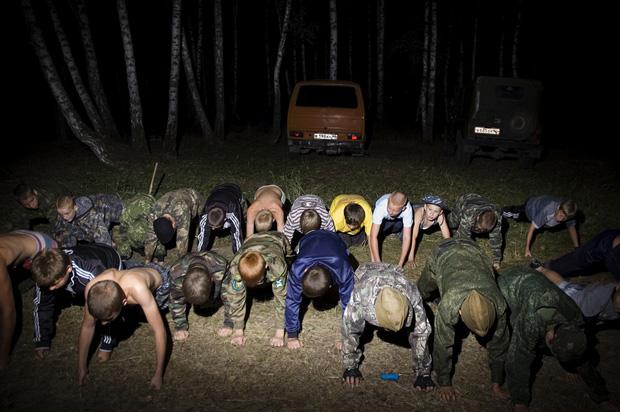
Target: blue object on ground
390	376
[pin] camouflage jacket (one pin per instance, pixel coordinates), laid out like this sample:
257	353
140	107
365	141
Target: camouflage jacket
23	218
134	224
370	278
183	205
275	249
463	216
455	268
217	266
536	306
94	216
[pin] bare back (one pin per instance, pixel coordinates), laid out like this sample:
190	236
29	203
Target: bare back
134	282
15	247
269	198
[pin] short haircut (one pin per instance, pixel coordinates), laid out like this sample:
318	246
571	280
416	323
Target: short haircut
316	281
398	199
197	284
49	266
486	221
215	217
252	268
309	221
105	300
65	202
263	220
354	215
569	207
22	191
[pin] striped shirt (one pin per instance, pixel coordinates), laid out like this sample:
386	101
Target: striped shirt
300	205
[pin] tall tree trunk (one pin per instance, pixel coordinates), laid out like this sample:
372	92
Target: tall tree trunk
138	137
460	78
220	108
432	75
74	72
333	40
170	139
380	60
199	47
207	131
302	52
423	101
235	70
80	129
515	42
277	111
94	78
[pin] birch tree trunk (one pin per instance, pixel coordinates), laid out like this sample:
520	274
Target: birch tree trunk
268	71
170	139
515	42
80	129
138	137
220	108
235	70
207	131
94	78
380	60
333	40
429	131
423	102
80	88
277	111
199	46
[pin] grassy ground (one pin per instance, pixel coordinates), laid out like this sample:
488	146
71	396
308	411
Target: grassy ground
207	373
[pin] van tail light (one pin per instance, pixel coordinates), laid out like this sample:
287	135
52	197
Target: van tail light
296	134
354	136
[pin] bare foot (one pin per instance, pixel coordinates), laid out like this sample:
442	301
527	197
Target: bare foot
448	393
225	331
294	343
103	356
278	339
238	338
181	335
499	392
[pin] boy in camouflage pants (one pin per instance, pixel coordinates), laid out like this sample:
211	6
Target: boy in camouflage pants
262	258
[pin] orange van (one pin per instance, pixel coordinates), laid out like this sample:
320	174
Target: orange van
326	116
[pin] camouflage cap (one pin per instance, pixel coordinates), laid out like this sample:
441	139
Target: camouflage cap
163	230
392	308
434	200
569	344
478	313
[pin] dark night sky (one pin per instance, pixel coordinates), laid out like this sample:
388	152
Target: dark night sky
569	49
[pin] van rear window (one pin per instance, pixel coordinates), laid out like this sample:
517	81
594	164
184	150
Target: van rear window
327	96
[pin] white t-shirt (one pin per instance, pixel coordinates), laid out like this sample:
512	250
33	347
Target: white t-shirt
381	212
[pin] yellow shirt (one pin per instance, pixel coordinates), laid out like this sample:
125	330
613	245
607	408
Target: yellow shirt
336	210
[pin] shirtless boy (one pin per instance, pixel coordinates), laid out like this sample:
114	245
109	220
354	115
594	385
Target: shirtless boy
269	198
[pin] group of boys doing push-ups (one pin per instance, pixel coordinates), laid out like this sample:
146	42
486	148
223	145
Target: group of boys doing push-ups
376	293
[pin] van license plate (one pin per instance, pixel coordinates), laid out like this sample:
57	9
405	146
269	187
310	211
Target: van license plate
486	130
325	136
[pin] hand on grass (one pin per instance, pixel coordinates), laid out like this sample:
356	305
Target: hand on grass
156	382
352	377
40	354
103	356
238	338
82	375
499	392
225	331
